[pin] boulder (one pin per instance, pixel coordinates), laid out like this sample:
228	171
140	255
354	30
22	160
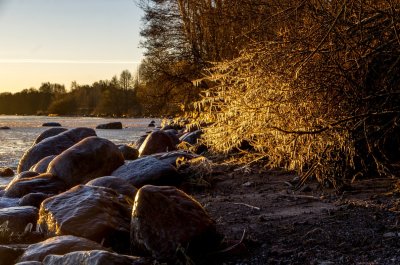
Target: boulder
9	254
33	199
174	157
8	202
156	142
22	175
173	134
165	219
191	137
18	218
110	125
52	146
167	127
45	183
6	172
95	257
120	185
151	125
59	245
140	141
5	128
51	124
41	166
49	133
148	170
91	158
96	213
129	152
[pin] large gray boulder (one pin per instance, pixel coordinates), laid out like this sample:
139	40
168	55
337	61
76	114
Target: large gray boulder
175	157
18	218
120	185
49	133
92	212
157	142
45	183
95	257
59	245
52	146
41	166
148	170
91	158
165	219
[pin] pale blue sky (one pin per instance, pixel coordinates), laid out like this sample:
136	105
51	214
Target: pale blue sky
65	40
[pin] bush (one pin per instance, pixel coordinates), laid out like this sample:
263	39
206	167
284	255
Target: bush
321	96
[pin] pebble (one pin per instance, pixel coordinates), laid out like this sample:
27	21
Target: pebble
391	234
247	184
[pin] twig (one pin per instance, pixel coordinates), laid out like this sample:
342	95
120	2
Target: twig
248	205
322	41
318	229
301	197
231	247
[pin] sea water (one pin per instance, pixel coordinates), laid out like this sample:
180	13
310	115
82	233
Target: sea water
24	130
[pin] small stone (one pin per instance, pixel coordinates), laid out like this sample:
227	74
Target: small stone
111	125
51	124
248	184
6	172
390	234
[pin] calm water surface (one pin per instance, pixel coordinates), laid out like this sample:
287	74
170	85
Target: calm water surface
25	129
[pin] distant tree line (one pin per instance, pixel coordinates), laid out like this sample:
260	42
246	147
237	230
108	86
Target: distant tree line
116	97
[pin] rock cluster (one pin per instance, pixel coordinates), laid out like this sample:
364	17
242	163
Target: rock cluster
88	201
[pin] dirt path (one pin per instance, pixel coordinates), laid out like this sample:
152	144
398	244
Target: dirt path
280	226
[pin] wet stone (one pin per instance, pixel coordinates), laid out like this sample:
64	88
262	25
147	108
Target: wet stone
59	245
52	146
148	170
92	212
165	219
91	158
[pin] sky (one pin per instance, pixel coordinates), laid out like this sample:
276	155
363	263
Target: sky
61	41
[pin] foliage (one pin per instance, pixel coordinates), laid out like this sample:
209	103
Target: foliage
320	95
182	37
116	97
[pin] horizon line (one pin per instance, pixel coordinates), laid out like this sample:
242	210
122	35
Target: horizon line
47	61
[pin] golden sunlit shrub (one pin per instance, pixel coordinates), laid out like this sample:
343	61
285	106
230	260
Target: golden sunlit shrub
319	97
